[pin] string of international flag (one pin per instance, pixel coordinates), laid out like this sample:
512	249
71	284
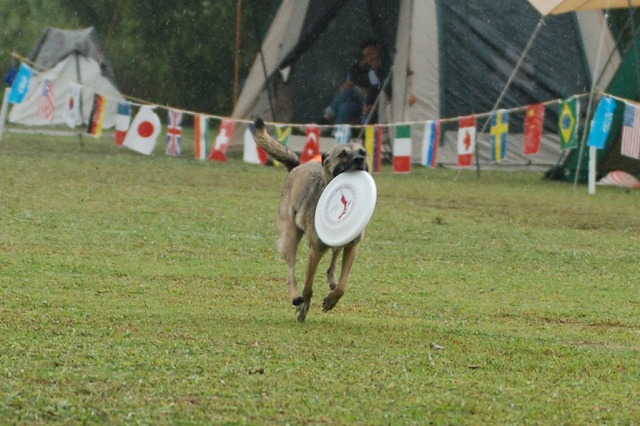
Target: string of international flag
139	132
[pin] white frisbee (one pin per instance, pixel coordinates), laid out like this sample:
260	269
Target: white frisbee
345	207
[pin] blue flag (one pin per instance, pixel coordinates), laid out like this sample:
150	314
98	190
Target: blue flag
343	134
11	75
20	86
601	124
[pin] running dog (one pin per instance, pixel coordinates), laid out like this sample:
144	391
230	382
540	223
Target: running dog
296	213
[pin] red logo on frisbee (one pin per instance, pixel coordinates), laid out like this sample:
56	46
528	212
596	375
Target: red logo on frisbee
340	204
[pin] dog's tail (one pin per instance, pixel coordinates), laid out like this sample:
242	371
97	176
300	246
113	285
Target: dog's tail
274	148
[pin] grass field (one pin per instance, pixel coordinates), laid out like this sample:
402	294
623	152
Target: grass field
148	290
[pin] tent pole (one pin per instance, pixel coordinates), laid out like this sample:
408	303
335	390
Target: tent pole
635	48
508	84
236	72
375	104
79	80
3	111
266	85
264	72
587	126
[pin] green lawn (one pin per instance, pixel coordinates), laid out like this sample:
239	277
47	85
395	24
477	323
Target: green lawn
148	290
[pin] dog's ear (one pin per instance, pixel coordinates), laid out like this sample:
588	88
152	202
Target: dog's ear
324	157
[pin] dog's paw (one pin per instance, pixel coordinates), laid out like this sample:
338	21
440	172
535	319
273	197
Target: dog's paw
330	301
302	312
297	301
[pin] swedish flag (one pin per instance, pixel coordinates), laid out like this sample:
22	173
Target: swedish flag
499	132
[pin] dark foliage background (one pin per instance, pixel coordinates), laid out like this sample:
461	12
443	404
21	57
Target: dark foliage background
171	52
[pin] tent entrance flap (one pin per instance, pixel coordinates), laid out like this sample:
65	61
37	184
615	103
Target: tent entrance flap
320	67
450	58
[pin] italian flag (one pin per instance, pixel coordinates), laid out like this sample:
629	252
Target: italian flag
402	150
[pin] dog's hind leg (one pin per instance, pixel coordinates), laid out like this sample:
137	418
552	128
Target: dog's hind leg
334	295
289	241
331	272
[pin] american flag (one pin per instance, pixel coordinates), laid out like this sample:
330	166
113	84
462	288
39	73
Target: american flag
174	133
46	108
631	131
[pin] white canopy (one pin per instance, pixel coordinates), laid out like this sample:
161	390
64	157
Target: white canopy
554	7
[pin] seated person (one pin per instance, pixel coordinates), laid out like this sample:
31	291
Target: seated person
360	89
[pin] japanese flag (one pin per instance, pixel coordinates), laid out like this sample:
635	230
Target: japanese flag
144	131
72	106
466	140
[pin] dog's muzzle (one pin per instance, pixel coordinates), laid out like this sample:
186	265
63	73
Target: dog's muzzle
359	163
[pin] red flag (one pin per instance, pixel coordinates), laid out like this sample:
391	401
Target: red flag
533	123
466	140
219	150
312	147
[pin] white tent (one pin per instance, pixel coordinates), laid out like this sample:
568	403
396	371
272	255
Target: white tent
449	58
553	7
67	58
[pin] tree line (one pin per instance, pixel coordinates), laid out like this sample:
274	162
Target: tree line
180	53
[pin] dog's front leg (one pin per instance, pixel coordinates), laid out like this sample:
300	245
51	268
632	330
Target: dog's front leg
334	295
289	240
312	266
